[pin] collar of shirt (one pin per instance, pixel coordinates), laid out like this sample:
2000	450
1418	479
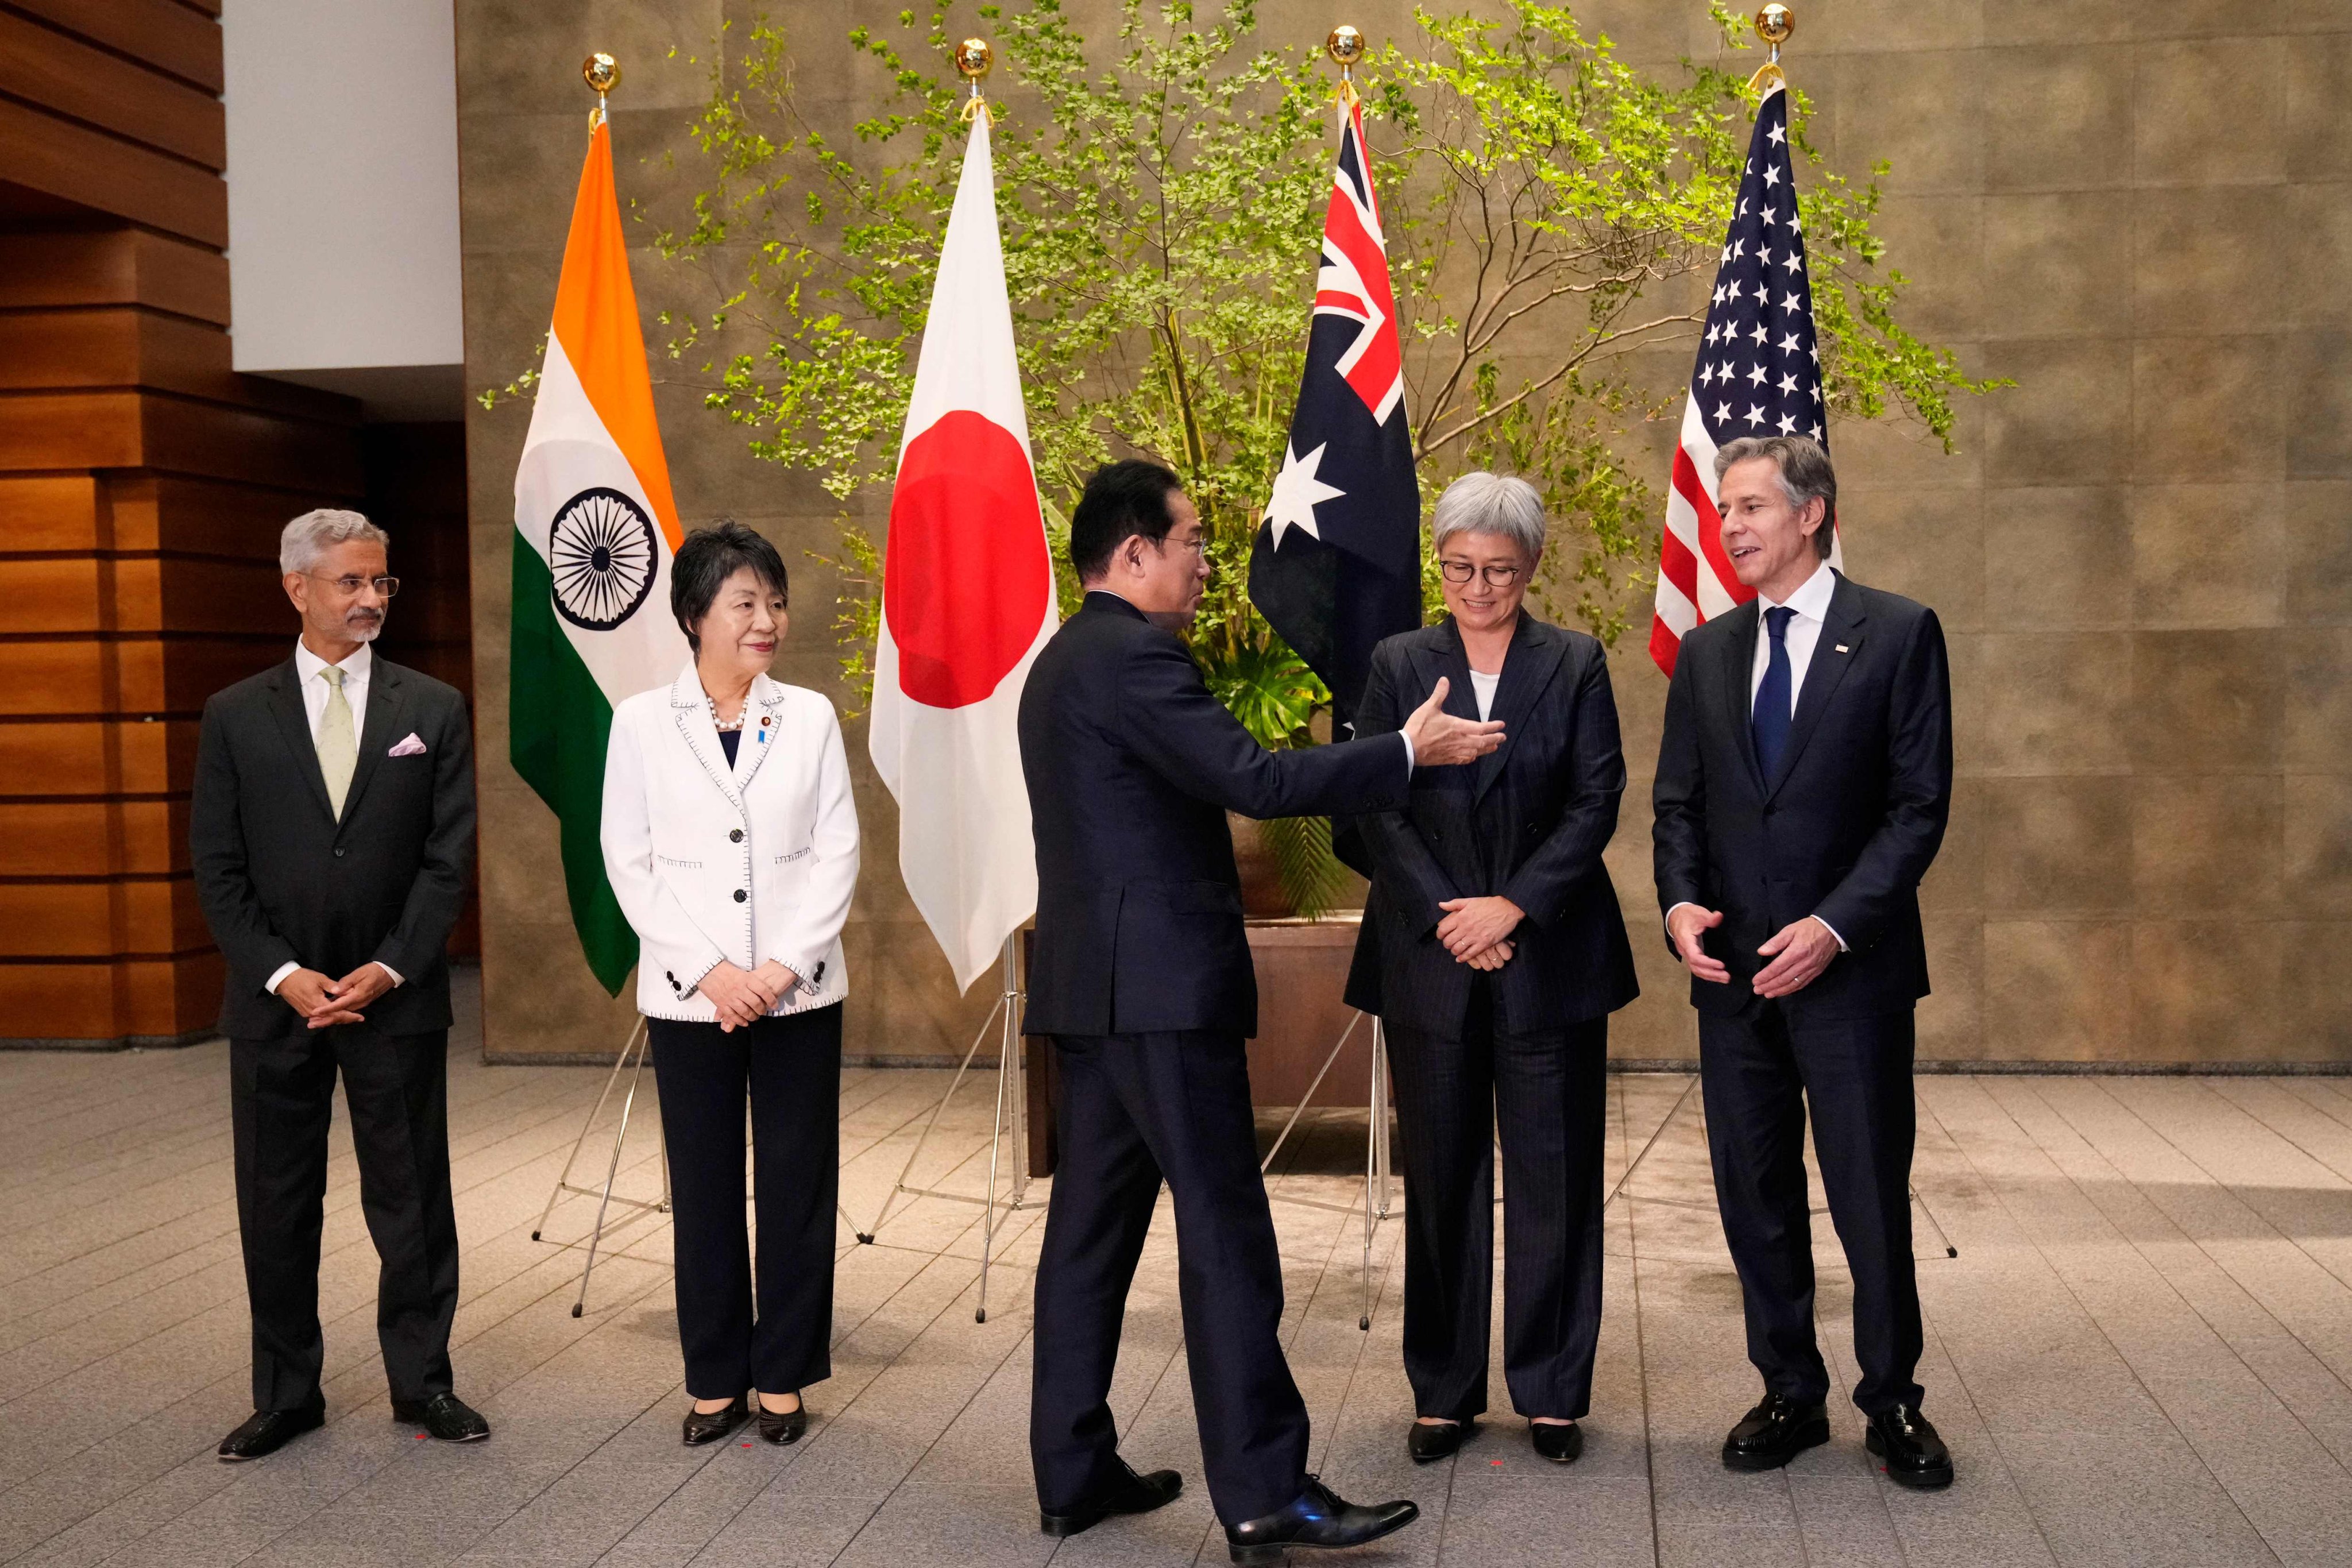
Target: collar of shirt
1810	601
355	669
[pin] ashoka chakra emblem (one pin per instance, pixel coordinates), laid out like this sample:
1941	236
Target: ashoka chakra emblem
601	554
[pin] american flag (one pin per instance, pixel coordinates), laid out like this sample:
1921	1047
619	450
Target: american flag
1758	373
1336	564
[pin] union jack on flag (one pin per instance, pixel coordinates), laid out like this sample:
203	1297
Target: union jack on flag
1336	564
1758	373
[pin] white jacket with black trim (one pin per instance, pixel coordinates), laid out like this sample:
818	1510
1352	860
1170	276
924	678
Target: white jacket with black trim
743	864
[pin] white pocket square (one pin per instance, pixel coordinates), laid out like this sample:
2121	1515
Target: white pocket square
411	747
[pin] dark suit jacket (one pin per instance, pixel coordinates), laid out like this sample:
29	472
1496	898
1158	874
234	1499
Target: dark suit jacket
1131	767
1529	821
281	879
1847	829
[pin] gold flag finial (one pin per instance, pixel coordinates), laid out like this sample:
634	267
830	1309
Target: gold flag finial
1345	47
974	59
602	72
1773	25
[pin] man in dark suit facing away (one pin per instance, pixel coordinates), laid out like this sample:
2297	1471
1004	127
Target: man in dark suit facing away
1142	976
1802	788
332	829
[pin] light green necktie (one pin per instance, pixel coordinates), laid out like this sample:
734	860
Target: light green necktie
338	748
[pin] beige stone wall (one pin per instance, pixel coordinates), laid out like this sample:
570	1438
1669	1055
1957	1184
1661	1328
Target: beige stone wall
2141	554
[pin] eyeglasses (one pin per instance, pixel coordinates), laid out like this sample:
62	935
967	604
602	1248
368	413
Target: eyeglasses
1198	544
350	586
1463	570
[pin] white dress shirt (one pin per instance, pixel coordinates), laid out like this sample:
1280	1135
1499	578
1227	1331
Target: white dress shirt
1812	602
356	670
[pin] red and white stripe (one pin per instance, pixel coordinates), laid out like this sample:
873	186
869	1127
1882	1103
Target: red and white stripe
1353	280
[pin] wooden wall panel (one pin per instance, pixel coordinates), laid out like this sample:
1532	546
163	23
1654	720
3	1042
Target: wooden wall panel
184	40
94	839
97	757
60	72
113	267
52	511
107	175
127	1002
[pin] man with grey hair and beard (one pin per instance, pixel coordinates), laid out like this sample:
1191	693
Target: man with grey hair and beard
331	831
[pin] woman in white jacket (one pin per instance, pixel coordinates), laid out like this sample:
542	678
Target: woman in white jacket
731	840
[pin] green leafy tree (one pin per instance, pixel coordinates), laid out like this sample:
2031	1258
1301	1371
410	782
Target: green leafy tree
1161	199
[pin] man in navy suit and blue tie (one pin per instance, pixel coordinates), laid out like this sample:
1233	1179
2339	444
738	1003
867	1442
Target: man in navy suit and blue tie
1802	789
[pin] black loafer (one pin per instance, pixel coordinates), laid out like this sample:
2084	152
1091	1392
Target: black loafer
1316	1517
1428	1442
1129	1493
268	1431
784	1426
1775	1432
1561	1442
1913	1452
711	1426
444	1415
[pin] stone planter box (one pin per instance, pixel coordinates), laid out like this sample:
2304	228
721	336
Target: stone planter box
1302	968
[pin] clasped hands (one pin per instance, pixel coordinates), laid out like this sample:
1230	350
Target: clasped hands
1798	951
1477	931
745	996
327	1002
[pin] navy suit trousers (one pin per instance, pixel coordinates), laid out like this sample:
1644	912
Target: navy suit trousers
1549	1088
1759	1073
1136	1109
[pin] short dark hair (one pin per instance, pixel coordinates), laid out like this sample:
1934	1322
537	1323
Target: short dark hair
709	557
1122	501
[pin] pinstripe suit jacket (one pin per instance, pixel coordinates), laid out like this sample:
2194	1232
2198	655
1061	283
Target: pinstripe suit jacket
1528	821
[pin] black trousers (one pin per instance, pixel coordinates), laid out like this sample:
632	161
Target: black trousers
1759	1074
281	1099
1550	1090
1136	1107
789	1068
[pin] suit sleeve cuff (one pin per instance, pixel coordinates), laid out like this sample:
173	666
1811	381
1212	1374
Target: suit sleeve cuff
277	977
1408	753
1829	928
1686	903
397	978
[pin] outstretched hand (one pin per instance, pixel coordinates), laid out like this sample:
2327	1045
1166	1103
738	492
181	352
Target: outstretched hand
1440	740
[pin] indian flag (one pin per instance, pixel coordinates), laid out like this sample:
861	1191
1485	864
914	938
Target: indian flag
595	530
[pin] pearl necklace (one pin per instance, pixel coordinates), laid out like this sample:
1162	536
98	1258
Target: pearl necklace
722	725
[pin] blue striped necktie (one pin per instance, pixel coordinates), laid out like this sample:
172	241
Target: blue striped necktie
1770	719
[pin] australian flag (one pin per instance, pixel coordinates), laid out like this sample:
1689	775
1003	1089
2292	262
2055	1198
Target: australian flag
1337	565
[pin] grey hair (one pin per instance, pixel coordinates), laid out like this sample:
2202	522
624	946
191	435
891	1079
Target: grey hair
1805	475
1481	502
313	533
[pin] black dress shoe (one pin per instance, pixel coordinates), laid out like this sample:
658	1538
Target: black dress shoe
1561	1442
444	1415
270	1431
1129	1493
710	1427
1774	1433
1428	1442
782	1427
1316	1517
1915	1455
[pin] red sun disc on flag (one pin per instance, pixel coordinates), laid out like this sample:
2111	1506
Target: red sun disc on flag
966	580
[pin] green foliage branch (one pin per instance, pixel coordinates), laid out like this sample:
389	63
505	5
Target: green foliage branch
1161	200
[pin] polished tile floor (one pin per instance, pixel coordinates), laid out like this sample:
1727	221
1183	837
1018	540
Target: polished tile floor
2142	1353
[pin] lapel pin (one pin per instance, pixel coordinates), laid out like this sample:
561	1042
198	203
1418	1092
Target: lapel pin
1841	647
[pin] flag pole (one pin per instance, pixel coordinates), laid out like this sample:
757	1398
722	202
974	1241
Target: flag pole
602	72
1773	25
1345	47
